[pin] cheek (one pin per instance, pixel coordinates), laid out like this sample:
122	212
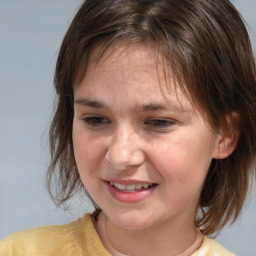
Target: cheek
182	159
88	151
88	157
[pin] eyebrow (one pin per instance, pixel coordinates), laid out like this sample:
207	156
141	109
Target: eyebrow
89	103
150	107
138	108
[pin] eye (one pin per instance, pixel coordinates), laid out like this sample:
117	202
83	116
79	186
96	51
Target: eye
95	121
160	123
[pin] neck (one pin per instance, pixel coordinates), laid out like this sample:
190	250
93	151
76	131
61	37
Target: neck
168	238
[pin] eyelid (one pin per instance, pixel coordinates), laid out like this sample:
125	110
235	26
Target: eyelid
95	120
160	123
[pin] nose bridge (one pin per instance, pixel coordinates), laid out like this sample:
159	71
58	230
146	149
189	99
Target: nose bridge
124	150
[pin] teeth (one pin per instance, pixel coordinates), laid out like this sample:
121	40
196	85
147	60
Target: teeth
145	185
130	187
120	186
138	186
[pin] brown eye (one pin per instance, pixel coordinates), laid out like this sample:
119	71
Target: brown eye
95	120
160	123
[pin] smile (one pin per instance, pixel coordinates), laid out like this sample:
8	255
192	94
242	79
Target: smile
131	192
131	187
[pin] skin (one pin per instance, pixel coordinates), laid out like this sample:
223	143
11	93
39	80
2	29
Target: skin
125	129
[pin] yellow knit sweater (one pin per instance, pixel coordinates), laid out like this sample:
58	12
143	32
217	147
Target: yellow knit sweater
78	238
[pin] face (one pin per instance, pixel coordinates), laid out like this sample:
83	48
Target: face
142	153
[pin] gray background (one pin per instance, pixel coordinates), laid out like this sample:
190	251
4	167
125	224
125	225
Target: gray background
30	35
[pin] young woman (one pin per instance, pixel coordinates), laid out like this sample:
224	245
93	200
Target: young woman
156	121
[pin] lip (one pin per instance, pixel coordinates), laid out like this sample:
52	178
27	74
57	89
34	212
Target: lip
129	197
128	181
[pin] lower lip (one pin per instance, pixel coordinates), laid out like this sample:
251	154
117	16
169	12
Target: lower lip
129	197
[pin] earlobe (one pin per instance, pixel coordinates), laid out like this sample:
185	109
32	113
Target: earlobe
228	137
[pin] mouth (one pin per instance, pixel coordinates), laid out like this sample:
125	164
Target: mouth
131	188
130	191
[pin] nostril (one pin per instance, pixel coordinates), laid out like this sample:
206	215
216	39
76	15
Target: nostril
123	158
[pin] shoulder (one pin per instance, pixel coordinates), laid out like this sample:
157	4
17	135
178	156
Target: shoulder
47	240
211	247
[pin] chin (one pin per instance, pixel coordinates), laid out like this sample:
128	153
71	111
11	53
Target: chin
131	221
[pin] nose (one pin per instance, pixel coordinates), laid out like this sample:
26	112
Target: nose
124	151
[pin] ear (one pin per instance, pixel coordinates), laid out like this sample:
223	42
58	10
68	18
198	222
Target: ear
228	136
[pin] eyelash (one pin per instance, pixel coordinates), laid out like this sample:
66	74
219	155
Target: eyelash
160	123
97	121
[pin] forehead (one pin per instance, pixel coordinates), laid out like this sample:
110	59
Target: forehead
135	60
138	64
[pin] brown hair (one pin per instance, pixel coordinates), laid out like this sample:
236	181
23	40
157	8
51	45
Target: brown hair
206	43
